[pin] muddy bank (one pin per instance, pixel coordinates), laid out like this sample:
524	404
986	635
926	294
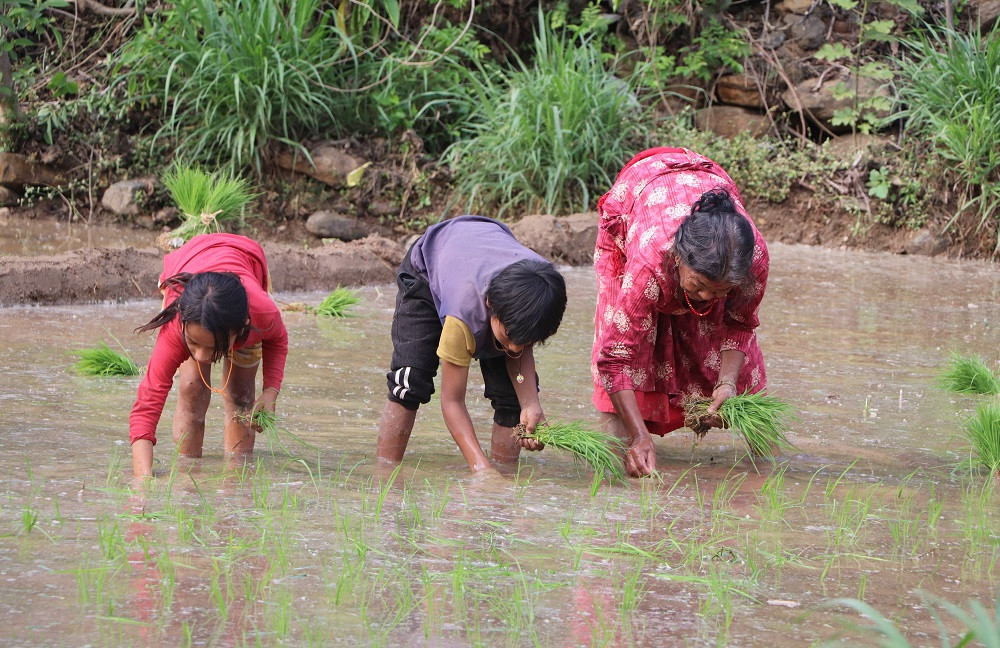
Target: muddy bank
106	274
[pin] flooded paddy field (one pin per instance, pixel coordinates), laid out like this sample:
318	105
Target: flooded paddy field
312	545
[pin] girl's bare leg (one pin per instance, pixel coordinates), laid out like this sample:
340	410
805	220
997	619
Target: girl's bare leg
394	431
193	398
505	447
238	437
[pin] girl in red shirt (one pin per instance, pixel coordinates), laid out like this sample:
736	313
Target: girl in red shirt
216	307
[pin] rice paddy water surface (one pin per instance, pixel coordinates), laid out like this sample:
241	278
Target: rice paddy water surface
315	546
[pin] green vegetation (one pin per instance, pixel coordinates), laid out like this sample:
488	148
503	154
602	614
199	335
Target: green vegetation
205	200
969	375
105	361
599	450
983	432
550	135
761	421
338	303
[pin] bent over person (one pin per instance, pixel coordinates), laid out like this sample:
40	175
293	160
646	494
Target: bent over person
681	271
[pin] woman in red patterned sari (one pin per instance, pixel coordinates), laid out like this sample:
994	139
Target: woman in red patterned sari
681	272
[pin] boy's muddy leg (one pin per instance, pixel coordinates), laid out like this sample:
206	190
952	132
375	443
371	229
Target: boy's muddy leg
238	437
394	431
505	447
193	398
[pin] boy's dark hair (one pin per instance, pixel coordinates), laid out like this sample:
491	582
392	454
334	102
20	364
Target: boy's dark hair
715	240
216	300
529	299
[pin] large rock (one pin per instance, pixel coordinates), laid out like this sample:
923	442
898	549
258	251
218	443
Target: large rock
331	164
740	90
17	171
730	121
7	197
800	7
989	11
819	103
808	31
328	224
567	239
125	198
926	242
858	148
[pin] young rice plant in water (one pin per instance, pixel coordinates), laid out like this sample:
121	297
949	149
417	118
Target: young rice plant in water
595	448
548	137
969	375
760	420
338	303
105	361
983	432
205	200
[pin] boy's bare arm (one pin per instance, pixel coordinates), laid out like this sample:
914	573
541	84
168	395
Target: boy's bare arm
454	380
527	394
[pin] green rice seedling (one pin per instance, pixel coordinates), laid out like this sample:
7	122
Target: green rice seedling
969	375
761	421
338	303
983	432
104	361
599	450
29	518
206	200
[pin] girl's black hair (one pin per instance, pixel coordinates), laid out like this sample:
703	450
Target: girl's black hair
216	300
529	299
715	240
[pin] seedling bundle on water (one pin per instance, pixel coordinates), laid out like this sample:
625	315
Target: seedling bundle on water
595	448
105	361
338	303
969	375
983	431
761	421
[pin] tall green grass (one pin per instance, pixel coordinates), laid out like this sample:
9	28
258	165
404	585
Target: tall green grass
105	361
551	135
237	79
983	432
205	200
950	87
969	375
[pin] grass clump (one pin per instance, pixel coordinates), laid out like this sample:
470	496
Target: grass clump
760	420
338	303
105	361
969	375
205	200
595	448
983	431
547	137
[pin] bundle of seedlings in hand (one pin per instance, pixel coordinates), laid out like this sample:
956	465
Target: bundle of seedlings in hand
969	375
983	431
105	361
338	303
597	449
205	200
761	421
267	423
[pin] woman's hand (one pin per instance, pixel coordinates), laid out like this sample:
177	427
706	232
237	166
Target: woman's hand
721	393
531	417
640	458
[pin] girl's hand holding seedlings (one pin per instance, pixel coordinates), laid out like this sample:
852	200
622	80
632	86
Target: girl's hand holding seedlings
531	417
267	401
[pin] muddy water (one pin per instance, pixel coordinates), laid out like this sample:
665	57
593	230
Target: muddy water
29	238
305	547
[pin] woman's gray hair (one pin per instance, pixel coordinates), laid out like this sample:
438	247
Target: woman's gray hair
715	240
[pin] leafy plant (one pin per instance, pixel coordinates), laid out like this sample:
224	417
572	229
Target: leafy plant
205	200
950	89
969	375
760	420
237	79
549	136
595	448
714	48
338	303
105	361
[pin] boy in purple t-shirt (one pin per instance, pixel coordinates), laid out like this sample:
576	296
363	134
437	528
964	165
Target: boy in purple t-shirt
468	290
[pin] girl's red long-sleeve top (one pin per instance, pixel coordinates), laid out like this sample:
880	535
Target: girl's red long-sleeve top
210	253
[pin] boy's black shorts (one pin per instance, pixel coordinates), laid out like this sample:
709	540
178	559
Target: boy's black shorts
416	332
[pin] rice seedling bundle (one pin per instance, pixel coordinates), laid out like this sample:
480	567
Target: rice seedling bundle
338	303
595	448
205	200
105	361
983	431
969	375
760	420
268	424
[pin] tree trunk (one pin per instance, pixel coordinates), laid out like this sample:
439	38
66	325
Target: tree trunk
8	99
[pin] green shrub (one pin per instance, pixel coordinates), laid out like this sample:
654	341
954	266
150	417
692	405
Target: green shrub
549	136
238	78
950	87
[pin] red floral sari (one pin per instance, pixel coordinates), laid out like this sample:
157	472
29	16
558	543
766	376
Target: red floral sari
647	339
